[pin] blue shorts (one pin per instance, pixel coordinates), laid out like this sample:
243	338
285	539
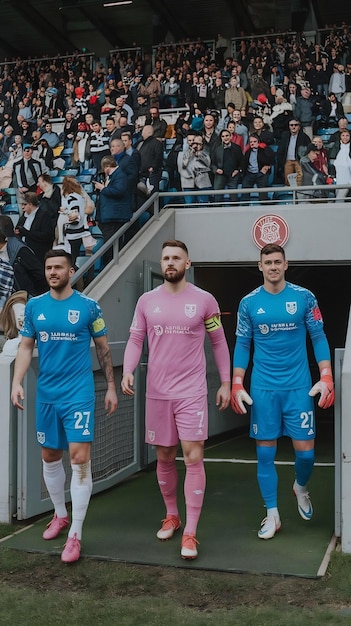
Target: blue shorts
282	412
63	423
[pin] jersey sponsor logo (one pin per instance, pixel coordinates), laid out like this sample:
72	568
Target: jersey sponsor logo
264	329
213	323
40	437
270	229
151	435
190	310
157	310
158	330
41	317
98	325
260	311
317	315
291	307
73	316
43	336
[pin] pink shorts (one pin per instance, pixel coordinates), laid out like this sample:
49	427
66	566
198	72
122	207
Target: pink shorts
169	421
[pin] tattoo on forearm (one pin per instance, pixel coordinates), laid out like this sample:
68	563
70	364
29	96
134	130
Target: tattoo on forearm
104	358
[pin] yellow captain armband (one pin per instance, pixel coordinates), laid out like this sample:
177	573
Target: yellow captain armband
213	323
98	325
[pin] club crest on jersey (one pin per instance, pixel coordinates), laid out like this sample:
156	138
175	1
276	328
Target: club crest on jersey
190	310
291	307
73	316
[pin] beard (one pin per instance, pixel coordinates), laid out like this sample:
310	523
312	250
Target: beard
175	277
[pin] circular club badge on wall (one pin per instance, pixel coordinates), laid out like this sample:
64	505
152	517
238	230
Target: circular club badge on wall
270	229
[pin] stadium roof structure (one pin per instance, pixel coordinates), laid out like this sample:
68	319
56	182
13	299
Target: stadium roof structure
35	28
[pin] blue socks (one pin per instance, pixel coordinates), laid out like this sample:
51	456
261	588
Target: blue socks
304	461
267	475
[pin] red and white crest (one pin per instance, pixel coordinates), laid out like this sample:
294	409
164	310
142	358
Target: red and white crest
270	229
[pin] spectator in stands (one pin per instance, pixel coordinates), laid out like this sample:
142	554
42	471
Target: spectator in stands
235	137
81	104
151	154
331	111
27	171
281	115
6	141
16	149
158	124
321	162
321	80
123	125
42	151
115	203
334	144
50	196
152	90
311	175
25	130
235	95
99	143
132	152
35	226
342	164
218	95
141	110
258	160
337	83
50	136
69	131
291	94
209	132
226	163
194	166
291	149
262	130
305	110
171	92
128	166
110	127
28	271
73	207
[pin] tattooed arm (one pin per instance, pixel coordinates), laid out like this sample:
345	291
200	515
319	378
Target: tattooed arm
105	360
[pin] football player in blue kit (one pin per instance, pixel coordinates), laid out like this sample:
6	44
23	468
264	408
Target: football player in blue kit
276	318
62	322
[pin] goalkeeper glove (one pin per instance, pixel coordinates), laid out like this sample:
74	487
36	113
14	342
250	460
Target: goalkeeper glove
325	387
239	396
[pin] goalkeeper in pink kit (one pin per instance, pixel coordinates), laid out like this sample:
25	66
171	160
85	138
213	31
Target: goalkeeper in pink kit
276	318
175	317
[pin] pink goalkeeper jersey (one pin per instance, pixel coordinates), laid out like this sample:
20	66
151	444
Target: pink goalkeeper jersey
175	325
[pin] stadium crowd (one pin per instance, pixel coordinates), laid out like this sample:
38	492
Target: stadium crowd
79	142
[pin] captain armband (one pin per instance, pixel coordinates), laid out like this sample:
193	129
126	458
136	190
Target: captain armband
213	323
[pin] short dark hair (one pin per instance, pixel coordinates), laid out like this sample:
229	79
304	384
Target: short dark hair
175	243
31	197
51	254
270	248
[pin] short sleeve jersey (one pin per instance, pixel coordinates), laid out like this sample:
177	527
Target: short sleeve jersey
63	330
278	324
176	325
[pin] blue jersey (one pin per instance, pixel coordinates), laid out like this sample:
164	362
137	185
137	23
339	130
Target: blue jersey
277	324
63	330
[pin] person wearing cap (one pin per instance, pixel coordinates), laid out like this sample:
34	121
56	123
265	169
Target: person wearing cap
35	226
311	175
27	171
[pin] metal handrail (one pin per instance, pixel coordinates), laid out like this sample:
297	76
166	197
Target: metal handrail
155	201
